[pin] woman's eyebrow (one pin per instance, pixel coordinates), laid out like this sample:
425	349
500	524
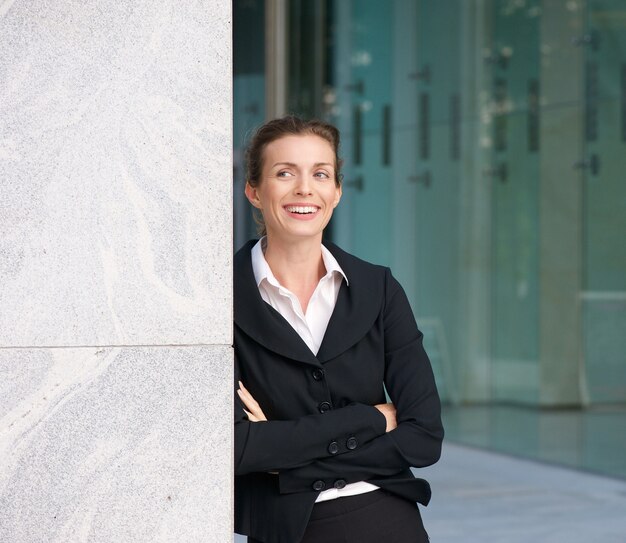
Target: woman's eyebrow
294	165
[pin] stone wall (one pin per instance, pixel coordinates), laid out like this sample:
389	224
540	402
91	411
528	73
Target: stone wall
115	271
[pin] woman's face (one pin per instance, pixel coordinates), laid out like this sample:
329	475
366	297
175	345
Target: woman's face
297	193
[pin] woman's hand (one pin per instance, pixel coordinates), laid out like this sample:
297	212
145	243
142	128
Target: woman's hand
254	411
389	410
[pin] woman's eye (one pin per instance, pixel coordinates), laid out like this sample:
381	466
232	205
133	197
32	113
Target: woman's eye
283	174
322	175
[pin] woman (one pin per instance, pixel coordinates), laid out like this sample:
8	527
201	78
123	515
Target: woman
320	456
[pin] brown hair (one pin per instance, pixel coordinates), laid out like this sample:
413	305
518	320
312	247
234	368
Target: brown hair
279	128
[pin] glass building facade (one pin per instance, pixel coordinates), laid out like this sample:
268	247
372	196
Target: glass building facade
485	162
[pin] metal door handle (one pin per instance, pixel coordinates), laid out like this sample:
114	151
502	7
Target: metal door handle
356	183
592	164
424	125
590	38
500	60
501	172
424	178
357	126
422	75
386	139
358	87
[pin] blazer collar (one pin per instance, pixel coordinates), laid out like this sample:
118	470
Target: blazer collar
357	307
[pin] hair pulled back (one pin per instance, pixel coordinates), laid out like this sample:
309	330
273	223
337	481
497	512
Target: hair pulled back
280	128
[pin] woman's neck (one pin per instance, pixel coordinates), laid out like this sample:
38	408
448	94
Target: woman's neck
297	266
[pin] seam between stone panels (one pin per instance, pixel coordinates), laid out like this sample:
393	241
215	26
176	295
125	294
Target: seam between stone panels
115	346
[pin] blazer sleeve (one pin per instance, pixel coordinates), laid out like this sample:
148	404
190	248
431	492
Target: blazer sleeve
410	383
276	445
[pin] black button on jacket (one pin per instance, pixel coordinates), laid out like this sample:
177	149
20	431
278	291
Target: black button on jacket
371	339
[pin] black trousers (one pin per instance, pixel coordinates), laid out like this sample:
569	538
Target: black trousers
374	517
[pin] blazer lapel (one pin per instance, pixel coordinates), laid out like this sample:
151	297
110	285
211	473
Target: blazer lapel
357	308
261	321
358	305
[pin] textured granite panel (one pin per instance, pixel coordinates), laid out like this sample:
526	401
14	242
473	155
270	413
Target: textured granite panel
115	169
115	444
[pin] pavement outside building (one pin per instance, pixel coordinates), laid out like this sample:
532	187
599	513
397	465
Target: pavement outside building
486	497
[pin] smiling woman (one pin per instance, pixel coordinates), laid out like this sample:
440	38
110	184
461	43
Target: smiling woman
282	128
320	454
298	184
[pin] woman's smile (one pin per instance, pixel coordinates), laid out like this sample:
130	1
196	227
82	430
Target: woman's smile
298	190
302	212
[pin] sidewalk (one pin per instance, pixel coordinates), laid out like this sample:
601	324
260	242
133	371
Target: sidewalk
485	497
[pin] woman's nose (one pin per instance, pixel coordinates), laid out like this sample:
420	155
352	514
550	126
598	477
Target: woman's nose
304	185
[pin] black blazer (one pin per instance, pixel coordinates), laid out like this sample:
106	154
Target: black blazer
322	430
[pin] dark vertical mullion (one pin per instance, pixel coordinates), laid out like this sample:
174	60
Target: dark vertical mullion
455	126
386	136
500	121
357	128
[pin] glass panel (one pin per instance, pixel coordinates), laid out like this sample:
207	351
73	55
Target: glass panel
363	96
604	295
436	175
470	171
514	175
590	440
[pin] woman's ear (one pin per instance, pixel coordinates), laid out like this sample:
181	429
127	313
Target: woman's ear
252	195
338	194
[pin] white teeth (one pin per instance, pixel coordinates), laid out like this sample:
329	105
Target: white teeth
301	209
